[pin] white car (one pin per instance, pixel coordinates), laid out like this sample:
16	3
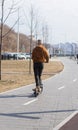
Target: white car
20	56
28	56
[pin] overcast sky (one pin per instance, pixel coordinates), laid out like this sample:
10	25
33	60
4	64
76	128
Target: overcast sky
60	15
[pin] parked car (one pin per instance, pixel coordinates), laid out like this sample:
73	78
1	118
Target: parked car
19	56
28	56
22	56
6	56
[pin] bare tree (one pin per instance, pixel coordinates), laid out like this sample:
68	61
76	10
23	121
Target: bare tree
33	22
2	5
3	20
37	25
45	33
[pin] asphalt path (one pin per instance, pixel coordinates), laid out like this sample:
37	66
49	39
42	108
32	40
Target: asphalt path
20	110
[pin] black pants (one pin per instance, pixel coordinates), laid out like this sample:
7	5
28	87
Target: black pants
38	67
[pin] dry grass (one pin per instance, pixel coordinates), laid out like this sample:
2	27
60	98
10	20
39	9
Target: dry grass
16	73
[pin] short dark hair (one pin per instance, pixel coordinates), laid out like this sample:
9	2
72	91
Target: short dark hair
39	41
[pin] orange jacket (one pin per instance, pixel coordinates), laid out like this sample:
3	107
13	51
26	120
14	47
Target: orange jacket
40	54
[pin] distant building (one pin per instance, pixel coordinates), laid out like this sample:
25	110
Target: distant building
65	49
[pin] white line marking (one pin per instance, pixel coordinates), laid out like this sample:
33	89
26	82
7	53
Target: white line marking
61	87
27	103
74	80
65	121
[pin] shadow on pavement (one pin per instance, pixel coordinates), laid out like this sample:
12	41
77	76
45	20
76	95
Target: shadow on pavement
30	95
28	114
